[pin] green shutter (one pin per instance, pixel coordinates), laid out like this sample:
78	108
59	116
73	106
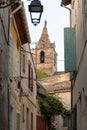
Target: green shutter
69	49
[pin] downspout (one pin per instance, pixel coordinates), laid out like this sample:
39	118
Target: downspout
70	79
69	11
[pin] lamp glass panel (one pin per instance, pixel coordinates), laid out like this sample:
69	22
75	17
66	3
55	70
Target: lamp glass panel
35	16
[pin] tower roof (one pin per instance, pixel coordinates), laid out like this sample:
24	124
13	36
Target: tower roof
44	39
44	31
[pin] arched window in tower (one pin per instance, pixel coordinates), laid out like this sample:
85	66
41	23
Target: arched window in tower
42	57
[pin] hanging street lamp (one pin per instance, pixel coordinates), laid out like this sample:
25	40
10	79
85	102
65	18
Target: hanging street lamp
35	9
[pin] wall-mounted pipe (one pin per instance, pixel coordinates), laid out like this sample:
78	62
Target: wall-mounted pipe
69	11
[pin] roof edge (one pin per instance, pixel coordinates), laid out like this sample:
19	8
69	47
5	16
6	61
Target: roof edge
65	2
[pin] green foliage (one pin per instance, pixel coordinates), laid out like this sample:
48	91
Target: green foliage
41	74
52	106
65	112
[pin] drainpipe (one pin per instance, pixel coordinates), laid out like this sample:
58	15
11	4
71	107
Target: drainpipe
69	11
70	79
71	100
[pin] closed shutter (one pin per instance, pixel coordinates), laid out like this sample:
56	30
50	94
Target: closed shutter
30	77
41	123
23	63
69	49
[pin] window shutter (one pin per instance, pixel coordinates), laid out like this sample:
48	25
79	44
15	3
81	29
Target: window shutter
23	113
31	121
23	64
70	49
30	77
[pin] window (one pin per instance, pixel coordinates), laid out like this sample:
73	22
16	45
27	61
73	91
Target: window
65	121
31	121
27	119
30	77
42	57
11	117
23	113
18	122
23	63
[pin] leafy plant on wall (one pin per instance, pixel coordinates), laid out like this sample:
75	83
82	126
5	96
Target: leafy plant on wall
51	106
41	74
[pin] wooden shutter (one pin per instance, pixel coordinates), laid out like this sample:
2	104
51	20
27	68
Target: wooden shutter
29	76
31	79
23	64
41	123
70	49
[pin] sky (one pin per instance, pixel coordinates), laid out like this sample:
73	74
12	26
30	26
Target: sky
57	18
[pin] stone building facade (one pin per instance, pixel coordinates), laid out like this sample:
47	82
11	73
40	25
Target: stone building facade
44	54
22	77
17	73
78	13
4	69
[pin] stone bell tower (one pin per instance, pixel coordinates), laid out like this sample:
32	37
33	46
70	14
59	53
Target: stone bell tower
44	54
